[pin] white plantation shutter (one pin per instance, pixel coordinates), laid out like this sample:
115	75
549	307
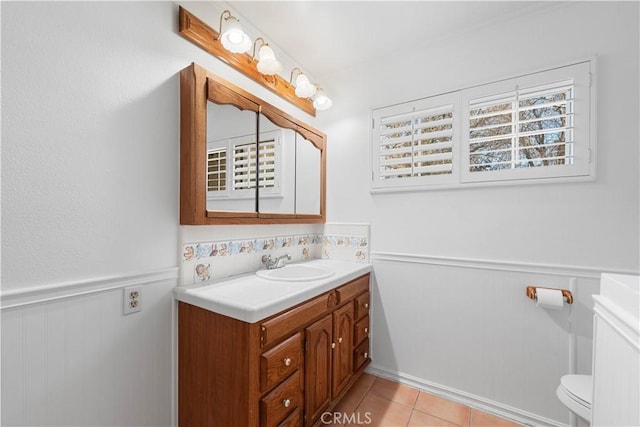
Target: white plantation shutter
414	147
523	129
528	128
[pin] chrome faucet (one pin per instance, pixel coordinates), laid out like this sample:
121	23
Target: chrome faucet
278	262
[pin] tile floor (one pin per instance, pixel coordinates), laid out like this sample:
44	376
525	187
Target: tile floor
376	401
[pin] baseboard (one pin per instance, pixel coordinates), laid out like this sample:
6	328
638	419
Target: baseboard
483	404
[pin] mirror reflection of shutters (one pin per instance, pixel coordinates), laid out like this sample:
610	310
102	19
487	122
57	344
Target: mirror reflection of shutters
244	158
217	169
267	163
244	165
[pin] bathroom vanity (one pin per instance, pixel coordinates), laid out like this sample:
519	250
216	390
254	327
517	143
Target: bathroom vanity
271	352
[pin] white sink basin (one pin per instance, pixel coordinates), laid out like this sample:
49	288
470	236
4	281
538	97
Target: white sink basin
295	273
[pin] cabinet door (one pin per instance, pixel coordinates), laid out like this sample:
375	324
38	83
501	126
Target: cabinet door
317	382
343	352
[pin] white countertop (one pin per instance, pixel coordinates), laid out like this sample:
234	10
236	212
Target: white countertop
250	298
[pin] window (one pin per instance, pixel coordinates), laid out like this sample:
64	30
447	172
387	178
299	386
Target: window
527	129
414	141
238	179
522	130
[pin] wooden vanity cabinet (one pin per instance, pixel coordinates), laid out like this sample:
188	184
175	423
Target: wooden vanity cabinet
285	370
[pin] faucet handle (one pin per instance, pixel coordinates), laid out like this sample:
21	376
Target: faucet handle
279	261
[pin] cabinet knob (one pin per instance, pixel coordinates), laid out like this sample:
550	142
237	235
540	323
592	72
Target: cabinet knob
366	355
287	361
366	305
366	330
340	340
286	403
333	345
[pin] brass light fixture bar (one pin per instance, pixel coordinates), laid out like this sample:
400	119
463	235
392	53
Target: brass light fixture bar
205	37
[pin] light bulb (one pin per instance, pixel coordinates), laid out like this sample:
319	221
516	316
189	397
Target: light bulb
304	88
321	101
233	38
267	62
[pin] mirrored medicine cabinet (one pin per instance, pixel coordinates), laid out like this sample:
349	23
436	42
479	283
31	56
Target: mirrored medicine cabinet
244	161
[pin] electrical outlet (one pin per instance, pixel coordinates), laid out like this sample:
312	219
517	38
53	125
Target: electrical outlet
132	300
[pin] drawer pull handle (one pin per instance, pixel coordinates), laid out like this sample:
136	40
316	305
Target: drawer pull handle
366	355
333	345
366	330
340	340
287	361
286	403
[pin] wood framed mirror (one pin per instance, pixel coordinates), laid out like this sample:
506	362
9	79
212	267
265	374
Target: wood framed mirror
244	161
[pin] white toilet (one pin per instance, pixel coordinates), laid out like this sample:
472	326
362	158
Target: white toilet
576	393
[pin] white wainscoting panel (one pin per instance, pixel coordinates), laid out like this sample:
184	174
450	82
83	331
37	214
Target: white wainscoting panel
467	329
78	361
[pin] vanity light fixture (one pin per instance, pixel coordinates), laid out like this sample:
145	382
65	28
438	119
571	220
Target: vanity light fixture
267	62
321	101
233	38
304	88
233	47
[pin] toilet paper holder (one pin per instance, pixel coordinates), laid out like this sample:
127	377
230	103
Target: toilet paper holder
531	293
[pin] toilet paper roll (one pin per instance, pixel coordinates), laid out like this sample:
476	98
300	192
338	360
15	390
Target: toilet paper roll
550	299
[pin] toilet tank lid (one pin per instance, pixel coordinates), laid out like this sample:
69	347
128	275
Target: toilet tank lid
580	386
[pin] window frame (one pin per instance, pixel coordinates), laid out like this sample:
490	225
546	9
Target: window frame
582	73
578	74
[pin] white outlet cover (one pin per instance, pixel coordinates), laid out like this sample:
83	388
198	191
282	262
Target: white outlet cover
128	298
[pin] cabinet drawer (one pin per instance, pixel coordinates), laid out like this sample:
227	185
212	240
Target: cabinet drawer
282	325
362	305
353	288
361	330
293	420
361	355
280	402
279	362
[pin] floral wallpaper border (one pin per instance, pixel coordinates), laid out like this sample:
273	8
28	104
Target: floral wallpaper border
246	246
215	259
339	246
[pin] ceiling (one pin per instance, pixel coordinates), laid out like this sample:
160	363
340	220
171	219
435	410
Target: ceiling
323	37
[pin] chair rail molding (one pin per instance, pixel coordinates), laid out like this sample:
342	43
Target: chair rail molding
16	298
501	265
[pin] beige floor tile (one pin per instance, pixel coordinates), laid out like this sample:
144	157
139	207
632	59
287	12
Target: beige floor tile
443	408
354	396
421	419
482	419
375	401
394	391
381	412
